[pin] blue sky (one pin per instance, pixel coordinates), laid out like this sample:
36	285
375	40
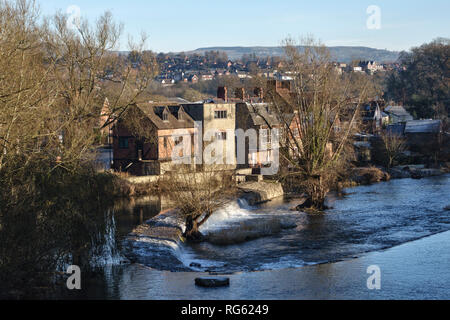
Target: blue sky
183	25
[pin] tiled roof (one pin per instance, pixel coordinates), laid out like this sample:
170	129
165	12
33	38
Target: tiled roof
397	110
423	126
155	114
261	116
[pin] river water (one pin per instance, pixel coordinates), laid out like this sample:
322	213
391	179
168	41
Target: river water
319	256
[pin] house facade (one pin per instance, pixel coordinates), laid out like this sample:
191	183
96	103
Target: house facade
424	136
215	120
144	141
148	136
258	122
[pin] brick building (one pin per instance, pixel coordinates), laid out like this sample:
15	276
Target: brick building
144	139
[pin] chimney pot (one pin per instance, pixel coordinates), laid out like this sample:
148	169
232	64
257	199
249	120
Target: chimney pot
222	93
239	93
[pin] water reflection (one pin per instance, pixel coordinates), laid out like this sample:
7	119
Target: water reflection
415	270
368	218
131	212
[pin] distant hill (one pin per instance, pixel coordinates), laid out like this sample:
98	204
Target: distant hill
341	54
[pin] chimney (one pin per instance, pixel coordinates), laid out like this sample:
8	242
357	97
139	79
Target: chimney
239	93
222	93
272	84
259	92
286	84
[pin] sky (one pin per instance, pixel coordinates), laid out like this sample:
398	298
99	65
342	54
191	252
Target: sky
184	25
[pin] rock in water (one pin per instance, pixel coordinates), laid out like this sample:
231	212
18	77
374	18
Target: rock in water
195	265
212	282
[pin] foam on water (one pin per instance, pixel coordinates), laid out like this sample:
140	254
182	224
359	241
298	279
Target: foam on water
188	258
182	256
285	262
369	218
234	212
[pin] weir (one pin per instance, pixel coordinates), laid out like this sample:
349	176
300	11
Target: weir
269	236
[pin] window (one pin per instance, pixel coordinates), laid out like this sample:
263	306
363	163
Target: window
123	143
165	116
220	114
266	135
178	140
221	136
253	159
269	156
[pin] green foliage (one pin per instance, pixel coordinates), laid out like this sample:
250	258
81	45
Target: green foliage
422	81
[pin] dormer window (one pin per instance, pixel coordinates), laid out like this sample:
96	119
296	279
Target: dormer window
165	115
180	115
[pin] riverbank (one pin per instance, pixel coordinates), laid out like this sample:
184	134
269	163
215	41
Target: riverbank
266	190
390	224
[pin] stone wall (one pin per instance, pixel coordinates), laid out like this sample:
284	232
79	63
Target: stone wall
258	192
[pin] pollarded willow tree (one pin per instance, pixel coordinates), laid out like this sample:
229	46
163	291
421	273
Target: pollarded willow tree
318	110
198	194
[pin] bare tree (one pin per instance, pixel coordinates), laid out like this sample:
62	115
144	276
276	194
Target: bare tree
53	83
394	144
87	71
197	195
318	111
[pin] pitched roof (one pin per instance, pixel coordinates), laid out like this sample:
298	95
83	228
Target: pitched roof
398	111
155	114
260	114
423	126
195	111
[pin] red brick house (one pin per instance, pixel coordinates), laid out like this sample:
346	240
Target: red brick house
143	140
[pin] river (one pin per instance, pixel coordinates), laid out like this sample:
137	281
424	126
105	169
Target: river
400	226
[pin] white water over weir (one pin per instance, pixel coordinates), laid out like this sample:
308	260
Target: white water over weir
235	211
266	237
